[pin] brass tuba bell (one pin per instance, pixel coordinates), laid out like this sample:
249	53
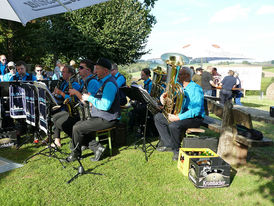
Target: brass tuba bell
175	93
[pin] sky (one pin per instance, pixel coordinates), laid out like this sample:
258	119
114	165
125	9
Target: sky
244	28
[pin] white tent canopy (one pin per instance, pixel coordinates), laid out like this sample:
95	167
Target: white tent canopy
26	10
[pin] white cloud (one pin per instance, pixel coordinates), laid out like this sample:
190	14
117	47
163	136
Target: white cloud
181	20
266	9
230	14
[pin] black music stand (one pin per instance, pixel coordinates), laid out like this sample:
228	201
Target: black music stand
139	94
51	103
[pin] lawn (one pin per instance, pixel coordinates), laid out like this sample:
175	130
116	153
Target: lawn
129	180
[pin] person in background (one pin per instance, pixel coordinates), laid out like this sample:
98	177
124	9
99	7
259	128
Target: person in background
227	84
145	75
40	72
12	72
237	93
3	64
121	82
57	74
21	74
207	81
191	115
216	80
192	70
197	77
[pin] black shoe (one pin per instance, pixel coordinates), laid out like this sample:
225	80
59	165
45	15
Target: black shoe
163	149
71	158
98	153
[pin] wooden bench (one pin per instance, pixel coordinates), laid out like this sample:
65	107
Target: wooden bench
232	117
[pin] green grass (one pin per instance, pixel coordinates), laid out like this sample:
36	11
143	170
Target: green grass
269	69
257	103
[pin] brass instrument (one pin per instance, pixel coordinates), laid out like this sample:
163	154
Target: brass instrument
158	81
175	93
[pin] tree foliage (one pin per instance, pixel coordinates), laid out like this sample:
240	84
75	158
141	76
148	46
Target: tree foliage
117	29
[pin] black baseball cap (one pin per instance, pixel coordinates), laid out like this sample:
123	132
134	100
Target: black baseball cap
104	63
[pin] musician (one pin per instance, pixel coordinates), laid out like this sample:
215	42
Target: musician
62	92
12	72
121	82
191	115
21	74
62	120
40	72
105	112
137	116
145	74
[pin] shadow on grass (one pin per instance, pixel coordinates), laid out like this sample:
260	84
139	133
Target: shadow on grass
261	163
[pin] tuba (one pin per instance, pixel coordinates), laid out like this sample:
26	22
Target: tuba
175	93
158	81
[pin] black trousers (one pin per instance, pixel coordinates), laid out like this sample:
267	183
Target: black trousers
63	122
87	128
225	96
171	133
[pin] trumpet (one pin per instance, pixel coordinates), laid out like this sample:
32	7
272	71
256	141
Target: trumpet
71	104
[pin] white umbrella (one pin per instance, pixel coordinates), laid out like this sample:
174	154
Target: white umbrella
26	10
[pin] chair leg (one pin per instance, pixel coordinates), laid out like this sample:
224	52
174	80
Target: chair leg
109	143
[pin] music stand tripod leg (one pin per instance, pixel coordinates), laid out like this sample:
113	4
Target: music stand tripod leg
81	171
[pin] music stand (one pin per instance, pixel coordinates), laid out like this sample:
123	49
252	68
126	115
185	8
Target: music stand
139	94
51	103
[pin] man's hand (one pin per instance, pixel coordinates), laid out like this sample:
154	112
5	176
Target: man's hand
173	118
85	97
57	91
163	98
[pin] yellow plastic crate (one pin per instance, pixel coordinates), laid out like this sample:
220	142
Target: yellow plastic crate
185	156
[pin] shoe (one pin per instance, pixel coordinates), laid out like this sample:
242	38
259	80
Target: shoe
71	158
83	147
98	154
175	157
163	149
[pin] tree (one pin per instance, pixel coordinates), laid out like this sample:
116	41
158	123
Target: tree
117	29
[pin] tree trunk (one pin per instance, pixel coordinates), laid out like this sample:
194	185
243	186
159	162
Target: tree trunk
231	151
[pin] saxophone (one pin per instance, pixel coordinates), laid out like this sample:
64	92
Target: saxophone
71	105
84	108
175	93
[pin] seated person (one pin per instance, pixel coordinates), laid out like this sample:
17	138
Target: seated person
121	82
40	72
138	114
192	114
105	112
21	74
61	117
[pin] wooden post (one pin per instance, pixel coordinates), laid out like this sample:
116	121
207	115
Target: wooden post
232	152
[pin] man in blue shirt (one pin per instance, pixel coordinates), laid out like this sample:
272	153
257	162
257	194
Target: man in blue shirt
191	115
3	64
21	74
121	82
62	120
105	112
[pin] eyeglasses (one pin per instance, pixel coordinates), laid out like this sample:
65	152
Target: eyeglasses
81	67
4	59
11	67
39	70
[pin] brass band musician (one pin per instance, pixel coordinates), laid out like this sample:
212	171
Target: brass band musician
63	93
105	112
191	115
